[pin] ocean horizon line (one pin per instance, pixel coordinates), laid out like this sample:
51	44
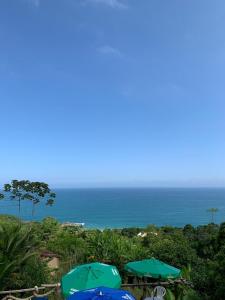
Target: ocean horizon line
139	187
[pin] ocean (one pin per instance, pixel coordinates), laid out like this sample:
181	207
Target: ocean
128	207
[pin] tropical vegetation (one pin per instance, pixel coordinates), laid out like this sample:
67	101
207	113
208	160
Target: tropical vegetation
198	251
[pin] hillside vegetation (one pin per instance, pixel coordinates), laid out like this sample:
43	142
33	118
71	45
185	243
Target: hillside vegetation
199	251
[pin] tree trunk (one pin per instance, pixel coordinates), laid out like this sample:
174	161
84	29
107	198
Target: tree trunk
33	209
19	205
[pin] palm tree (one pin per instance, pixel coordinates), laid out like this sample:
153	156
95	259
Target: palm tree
213	211
16	247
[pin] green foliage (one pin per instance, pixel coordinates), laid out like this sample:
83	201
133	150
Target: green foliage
151	228
203	239
200	252
6	219
110	247
130	232
218	278
221	235
20	263
186	272
16	248
170	247
169	295
34	192
191	295
201	274
49	227
181	293
34	272
68	246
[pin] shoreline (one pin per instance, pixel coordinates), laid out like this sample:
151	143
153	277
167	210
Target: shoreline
102	228
87	226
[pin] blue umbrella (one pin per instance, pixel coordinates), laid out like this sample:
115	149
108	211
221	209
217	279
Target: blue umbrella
101	293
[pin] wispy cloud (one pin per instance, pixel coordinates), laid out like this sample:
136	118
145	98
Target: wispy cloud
35	3
109	50
119	4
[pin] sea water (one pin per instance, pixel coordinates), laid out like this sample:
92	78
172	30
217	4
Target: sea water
128	207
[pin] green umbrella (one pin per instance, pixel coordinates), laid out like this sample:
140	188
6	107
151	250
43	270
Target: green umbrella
90	276
152	268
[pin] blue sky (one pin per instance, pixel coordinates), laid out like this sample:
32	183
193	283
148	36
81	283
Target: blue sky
113	92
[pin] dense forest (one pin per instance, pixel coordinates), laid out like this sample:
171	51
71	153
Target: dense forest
199	252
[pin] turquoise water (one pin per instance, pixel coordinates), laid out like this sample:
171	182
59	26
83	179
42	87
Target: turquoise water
119	207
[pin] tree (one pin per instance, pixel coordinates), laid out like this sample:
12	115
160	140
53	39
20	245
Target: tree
35	272
1	196
32	191
221	235
115	249
173	249
20	263
205	241
217	278
201	277
213	211
130	232
16	247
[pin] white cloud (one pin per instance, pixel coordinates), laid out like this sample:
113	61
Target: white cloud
108	50
111	3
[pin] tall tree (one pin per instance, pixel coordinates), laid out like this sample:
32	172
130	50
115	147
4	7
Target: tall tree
20	190
213	211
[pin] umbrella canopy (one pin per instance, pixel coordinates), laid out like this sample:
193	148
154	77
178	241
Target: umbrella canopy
90	276
153	268
101	293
